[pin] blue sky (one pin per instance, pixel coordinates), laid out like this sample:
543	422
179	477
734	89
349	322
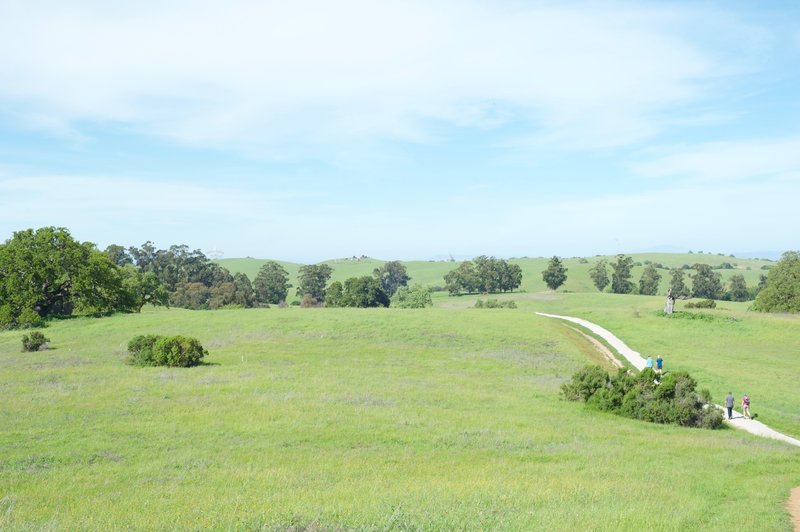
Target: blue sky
403	129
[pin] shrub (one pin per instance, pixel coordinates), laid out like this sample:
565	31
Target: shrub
670	400
494	303
140	349
309	301
585	383
178	351
35	342
171	351
706	303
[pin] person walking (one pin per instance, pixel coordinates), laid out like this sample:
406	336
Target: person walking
729	404
746	406
659	363
649	363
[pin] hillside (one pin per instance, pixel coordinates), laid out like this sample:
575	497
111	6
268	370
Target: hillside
431	273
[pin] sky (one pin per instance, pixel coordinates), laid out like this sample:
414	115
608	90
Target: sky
311	130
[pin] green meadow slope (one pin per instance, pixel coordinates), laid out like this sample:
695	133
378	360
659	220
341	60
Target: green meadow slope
431	273
441	418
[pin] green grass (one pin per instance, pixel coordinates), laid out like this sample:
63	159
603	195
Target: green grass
440	418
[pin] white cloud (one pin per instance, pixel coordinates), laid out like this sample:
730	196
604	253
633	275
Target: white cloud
274	77
727	161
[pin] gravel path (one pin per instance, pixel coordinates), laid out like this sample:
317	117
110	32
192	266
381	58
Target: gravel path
636	359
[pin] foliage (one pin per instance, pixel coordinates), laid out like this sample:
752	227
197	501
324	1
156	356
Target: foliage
313	278
782	290
308	301
143	288
494	303
363	292
599	274
170	351
706	283
621	278
35	341
47	273
737	288
677	283
706	303
648	283
271	285
334	295
555	275
391	276
416	296
669	399
585	383
483	275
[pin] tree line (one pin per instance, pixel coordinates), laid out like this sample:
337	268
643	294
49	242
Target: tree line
47	273
483	275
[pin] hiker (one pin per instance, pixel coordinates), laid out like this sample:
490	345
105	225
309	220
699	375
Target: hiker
746	406
649	363
729	404
659	363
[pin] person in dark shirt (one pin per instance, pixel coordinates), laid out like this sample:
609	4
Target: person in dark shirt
729	404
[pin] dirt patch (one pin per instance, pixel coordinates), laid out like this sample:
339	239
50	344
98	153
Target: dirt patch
602	349
794	508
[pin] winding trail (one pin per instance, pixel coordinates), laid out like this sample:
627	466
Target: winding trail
636	359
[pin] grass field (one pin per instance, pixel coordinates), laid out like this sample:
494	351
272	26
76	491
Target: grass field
439	418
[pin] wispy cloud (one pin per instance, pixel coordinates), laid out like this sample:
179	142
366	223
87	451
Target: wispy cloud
278	78
761	160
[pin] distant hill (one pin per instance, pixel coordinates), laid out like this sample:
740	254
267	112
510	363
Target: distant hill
431	273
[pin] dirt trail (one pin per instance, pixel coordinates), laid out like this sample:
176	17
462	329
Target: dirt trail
794	508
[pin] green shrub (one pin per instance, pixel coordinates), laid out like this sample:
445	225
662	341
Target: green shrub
171	351
35	342
671	399
584	384
706	303
494	303
140	349
178	351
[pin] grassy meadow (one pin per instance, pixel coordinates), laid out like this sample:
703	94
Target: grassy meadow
442	418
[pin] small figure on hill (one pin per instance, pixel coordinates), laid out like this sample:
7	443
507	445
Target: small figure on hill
729	404
649	363
746	406
659	363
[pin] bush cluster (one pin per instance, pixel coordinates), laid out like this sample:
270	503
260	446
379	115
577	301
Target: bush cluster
36	341
171	351
494	303
706	303
672	399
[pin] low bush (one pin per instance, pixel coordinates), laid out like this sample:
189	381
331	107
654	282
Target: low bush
667	399
706	303
36	341
494	303
171	351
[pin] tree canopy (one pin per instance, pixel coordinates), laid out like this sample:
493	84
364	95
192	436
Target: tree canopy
271	285
706	283
555	275
483	275
621	278
313	278
648	283
391	276
781	292
599	274
46	272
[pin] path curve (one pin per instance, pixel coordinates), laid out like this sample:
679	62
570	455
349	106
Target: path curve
636	359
